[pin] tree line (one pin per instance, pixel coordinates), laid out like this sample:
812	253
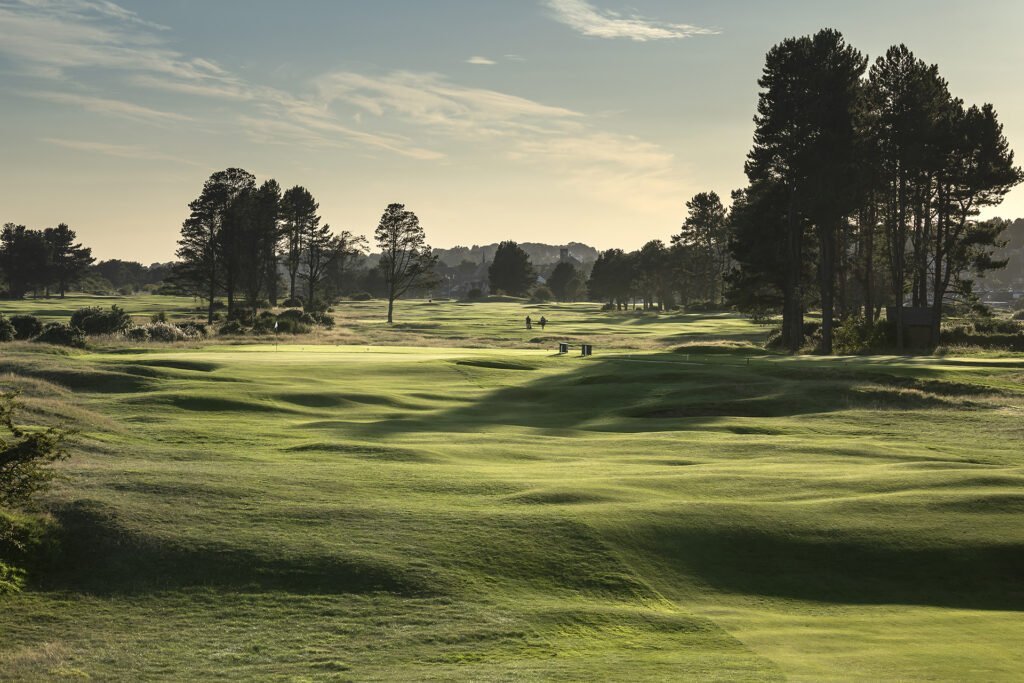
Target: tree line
240	239
41	261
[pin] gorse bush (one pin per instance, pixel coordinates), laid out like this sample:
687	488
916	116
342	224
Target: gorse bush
292	302
26	457
26	326
7	331
167	332
231	328
323	319
137	334
95	320
857	335
61	334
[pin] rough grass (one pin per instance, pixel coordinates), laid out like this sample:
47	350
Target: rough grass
389	513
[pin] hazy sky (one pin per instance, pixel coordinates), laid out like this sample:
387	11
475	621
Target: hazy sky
537	120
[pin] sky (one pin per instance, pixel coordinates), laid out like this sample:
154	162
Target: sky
533	120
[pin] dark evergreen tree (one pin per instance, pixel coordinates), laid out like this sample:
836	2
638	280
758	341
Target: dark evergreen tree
68	261
511	271
203	246
299	219
563	281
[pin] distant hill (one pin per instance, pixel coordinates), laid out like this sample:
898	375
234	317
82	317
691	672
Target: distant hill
540	254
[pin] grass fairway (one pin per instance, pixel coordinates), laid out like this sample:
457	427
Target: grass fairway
389	513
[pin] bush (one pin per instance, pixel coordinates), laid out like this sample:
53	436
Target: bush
7	331
1019	315
986	334
323	319
160	317
166	332
137	334
194	329
95	320
856	336
295	315
293	302
26	326
62	334
363	296
231	328
541	294
475	294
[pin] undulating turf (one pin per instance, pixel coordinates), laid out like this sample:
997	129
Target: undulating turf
322	512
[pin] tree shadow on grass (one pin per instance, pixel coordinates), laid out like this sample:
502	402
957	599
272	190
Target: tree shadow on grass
842	570
92	553
660	393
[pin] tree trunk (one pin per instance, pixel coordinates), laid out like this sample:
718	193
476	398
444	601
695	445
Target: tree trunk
209	309
391	308
826	237
792	308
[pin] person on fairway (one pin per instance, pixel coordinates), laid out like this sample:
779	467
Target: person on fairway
529	323
543	321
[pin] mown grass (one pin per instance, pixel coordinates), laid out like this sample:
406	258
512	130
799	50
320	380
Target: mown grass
386	513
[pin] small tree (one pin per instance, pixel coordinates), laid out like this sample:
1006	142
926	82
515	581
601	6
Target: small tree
511	271
406	261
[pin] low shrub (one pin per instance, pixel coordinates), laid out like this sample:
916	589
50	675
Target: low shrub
61	334
541	294
1019	315
231	328
856	335
26	326
7	331
292	302
95	320
139	333
323	319
296	315
194	329
166	332
363	296
160	317
985	334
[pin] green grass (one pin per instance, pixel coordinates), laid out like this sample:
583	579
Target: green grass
451	323
141	306
322	512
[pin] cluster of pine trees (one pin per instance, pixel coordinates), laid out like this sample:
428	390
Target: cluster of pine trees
239	236
865	187
41	261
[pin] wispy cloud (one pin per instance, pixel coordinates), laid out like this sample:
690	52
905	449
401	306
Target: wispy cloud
102	105
116	150
615	168
591	21
480	61
422	116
